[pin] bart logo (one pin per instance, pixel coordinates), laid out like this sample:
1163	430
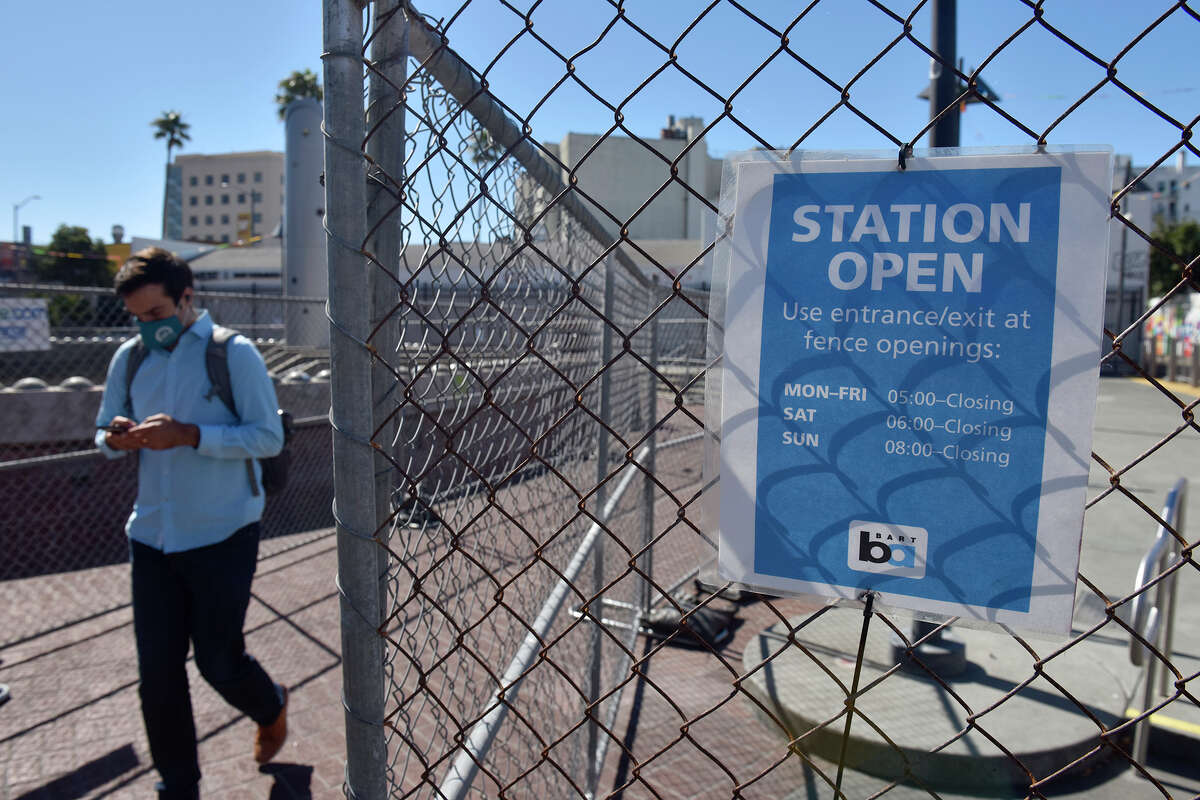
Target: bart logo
887	549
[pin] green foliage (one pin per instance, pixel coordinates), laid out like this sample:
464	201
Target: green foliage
74	259
1183	240
170	126
298	85
484	148
70	310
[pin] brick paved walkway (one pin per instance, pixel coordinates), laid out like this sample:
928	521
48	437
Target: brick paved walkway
73	728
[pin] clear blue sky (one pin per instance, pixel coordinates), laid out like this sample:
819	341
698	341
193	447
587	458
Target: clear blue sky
83	80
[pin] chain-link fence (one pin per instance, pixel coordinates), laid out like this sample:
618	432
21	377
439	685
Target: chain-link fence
67	504
528	320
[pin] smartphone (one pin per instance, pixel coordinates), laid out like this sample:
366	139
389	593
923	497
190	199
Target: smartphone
112	428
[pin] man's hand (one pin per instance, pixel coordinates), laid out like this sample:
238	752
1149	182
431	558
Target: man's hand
121	440
161	432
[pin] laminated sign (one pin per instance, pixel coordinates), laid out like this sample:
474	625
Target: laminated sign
909	377
24	324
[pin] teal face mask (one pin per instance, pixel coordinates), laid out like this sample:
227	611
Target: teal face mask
161	333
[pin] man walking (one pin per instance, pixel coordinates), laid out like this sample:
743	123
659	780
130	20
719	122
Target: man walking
193	533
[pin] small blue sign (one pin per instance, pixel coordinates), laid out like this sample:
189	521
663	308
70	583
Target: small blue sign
907	327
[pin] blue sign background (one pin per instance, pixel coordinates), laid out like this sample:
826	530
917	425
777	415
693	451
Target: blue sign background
981	518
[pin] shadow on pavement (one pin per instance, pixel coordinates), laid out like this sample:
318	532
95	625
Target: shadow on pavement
292	781
87	777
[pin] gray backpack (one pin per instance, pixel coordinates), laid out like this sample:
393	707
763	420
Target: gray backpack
216	362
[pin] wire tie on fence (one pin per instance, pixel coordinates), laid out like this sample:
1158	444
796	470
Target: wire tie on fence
367	443
337	582
342	330
868	606
347	789
358	716
355	54
340	143
344	242
349	528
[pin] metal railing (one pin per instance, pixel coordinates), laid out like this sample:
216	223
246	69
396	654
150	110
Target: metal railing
1152	617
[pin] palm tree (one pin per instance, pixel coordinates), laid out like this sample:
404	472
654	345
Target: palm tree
298	85
484	148
169	126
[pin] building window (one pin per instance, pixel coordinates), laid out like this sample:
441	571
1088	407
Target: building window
208	220
208	199
224	219
224	179
208	180
224	237
208	238
224	199
256	197
193	220
241	177
241	198
193	200
192	181
257	218
258	177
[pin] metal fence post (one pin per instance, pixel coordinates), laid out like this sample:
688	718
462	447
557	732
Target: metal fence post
648	463
596	659
385	179
353	459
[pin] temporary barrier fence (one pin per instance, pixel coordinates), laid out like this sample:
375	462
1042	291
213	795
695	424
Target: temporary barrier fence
528	356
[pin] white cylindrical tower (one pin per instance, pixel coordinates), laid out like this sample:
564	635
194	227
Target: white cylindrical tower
304	273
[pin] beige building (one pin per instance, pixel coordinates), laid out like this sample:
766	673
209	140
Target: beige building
231	196
626	177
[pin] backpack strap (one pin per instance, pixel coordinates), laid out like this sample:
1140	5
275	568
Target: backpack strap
216	362
137	356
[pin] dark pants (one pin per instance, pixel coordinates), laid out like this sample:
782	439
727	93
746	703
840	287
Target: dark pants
199	595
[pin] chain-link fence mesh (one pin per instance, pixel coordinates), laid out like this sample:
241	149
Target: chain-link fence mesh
539	376
67	504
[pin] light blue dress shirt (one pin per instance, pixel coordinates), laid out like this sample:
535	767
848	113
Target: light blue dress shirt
191	497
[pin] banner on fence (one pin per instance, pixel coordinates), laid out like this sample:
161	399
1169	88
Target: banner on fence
24	324
909	377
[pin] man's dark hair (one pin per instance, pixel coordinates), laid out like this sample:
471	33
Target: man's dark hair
154	265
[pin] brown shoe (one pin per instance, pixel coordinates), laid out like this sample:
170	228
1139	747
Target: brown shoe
270	738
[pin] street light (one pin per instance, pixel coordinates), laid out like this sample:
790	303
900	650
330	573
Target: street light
16	208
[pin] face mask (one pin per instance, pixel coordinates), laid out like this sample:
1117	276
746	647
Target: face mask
161	333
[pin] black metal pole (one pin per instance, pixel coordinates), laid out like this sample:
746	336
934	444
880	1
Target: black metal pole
944	82
939	652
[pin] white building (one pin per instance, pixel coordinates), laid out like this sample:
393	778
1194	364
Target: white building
1174	190
230	196
256	268
630	179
